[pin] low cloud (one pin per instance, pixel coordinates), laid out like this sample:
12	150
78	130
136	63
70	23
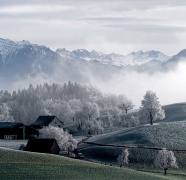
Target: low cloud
170	86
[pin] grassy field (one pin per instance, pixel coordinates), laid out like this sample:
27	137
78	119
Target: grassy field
12	144
170	135
25	165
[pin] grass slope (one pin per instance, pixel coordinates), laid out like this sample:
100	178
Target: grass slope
170	135
25	165
175	112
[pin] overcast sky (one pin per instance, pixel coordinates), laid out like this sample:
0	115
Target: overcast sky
119	26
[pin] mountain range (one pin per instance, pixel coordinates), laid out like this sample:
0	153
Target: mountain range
134	58
23	59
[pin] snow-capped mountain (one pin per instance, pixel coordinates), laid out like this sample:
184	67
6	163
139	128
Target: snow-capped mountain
10	50
16	51
132	59
6	47
22	60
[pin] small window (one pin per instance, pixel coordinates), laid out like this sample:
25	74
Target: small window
55	123
59	126
10	137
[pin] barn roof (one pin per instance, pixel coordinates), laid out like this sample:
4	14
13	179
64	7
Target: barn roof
41	145
9	125
44	120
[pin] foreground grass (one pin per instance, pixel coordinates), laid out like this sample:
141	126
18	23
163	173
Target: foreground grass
24	165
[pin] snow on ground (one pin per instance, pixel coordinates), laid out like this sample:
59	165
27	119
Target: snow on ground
12	144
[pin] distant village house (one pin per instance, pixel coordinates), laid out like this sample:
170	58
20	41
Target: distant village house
43	121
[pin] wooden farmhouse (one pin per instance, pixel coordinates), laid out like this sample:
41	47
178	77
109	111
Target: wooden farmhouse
43	146
43	121
9	131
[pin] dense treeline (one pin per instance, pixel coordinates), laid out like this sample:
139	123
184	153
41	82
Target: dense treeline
72	102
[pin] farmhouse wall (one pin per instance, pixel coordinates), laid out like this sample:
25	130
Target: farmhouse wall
56	123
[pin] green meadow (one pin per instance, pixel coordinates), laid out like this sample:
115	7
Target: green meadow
26	165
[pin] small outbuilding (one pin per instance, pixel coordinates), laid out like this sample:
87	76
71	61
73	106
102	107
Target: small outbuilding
43	121
11	130
43	146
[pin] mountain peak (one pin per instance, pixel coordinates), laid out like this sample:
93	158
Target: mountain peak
182	53
24	42
134	58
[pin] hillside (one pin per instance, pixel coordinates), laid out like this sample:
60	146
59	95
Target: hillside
170	135
25	165
165	135
175	112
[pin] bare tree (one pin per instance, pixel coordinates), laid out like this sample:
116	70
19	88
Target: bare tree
165	159
123	158
150	108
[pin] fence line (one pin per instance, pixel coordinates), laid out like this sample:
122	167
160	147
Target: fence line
138	147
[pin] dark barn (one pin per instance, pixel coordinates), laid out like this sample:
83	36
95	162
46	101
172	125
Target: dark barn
43	146
10	130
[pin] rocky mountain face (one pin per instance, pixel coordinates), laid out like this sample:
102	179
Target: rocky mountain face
23	58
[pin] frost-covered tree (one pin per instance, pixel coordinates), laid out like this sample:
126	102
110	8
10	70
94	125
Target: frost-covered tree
151	109
45	112
90	111
89	118
67	102
5	113
75	107
165	159
70	145
63	138
133	121
95	127
123	158
124	103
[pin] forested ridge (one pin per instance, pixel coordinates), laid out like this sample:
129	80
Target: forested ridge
70	102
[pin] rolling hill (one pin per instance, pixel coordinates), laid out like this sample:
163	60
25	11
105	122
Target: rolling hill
175	112
171	135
